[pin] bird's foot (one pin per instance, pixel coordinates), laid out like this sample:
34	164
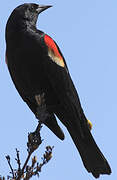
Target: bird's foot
34	140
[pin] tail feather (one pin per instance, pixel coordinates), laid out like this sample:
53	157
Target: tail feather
52	124
92	158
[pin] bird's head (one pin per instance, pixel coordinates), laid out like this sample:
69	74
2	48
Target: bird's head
26	12
31	11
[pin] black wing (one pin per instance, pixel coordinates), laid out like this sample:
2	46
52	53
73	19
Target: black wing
69	110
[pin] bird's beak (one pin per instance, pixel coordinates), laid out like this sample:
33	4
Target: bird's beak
42	8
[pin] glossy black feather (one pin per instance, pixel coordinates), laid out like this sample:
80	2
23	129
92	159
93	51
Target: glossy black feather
34	72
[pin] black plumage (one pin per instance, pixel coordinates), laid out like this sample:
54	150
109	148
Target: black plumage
37	66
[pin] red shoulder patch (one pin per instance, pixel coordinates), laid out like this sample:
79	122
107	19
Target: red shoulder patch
50	43
53	51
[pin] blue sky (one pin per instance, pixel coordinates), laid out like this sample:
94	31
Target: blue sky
86	32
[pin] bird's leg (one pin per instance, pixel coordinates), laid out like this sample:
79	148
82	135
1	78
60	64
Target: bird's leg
34	138
42	113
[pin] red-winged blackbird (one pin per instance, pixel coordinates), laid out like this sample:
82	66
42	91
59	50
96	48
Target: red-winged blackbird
37	66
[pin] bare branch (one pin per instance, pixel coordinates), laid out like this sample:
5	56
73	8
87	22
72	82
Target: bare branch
9	163
34	141
18	161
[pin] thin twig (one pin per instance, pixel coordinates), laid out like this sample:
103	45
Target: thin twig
18	160
24	166
8	160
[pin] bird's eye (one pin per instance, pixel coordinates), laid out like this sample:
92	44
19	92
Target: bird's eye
32	8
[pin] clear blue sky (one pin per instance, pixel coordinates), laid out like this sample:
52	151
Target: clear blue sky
86	32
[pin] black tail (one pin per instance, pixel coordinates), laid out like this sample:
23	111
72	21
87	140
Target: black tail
52	124
92	158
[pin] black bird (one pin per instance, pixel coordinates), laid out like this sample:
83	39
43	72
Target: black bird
37	66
